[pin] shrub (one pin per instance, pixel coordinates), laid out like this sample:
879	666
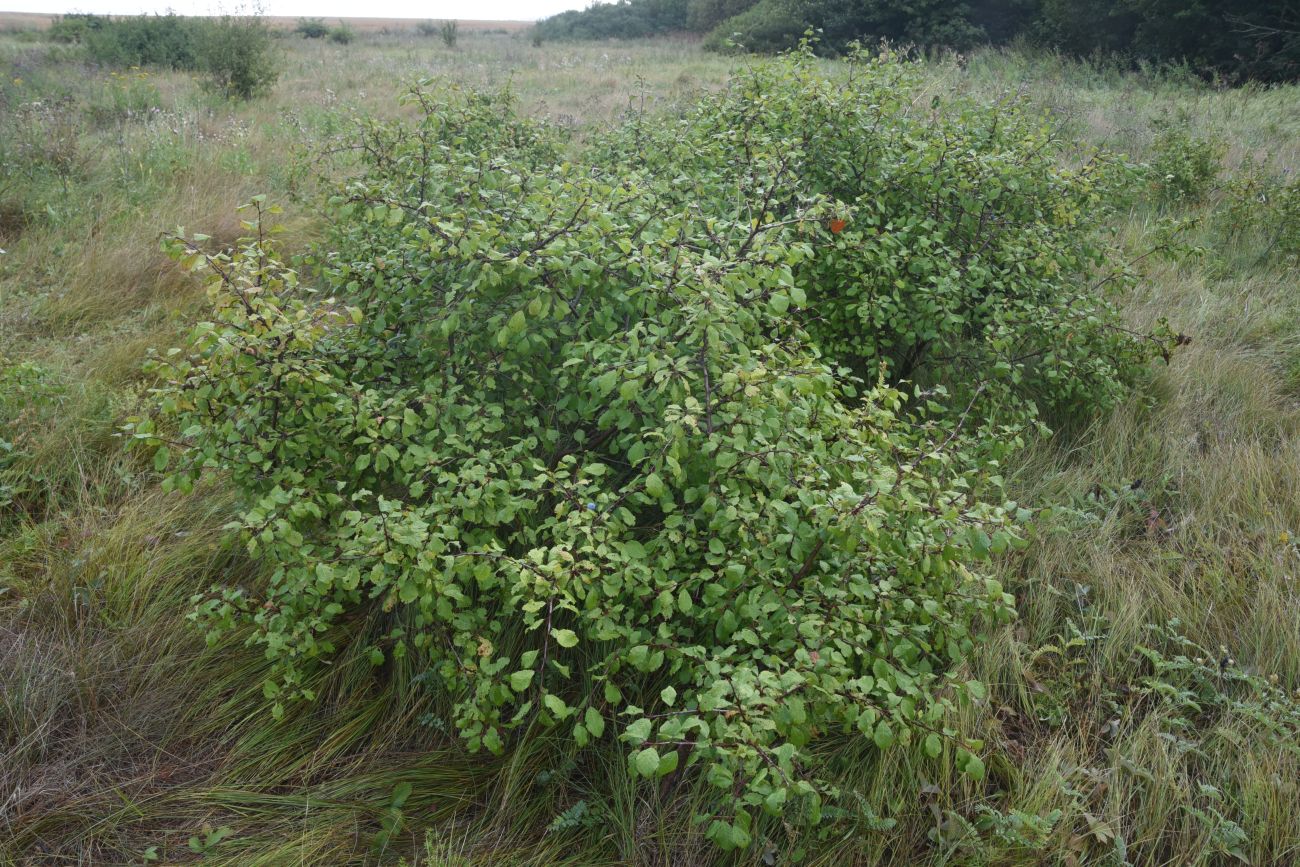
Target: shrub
128	95
343	35
312	28
426	28
573	430
237	55
1261	204
703	15
767	27
1184	166
166	41
449	31
625	20
27	394
43	138
74	27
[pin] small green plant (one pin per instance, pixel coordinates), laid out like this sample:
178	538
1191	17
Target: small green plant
129	96
392	820
1262	205
45	141
578	816
208	839
343	34
312	28
449	32
1184	166
27	394
443	850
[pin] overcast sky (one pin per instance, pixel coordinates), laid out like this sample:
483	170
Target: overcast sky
501	10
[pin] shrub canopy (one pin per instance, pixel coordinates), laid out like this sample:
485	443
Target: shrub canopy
578	431
965	246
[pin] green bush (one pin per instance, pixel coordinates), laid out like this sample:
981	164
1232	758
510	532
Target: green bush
573	429
621	20
312	28
165	41
74	27
238	56
1259	203
27	394
767	27
703	15
449	31
343	35
1184	166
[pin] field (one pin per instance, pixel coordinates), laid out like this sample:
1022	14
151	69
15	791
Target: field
25	21
1141	708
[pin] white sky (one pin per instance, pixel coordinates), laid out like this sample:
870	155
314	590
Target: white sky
498	10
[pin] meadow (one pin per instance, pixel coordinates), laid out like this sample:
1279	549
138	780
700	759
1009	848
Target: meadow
1142	708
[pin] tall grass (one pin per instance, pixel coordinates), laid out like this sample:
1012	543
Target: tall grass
122	735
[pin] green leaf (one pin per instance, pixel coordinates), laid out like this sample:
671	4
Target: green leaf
520	680
639	731
883	735
720	776
565	637
647	762
556	706
974	767
595	722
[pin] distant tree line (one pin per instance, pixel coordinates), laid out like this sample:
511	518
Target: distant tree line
1235	40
